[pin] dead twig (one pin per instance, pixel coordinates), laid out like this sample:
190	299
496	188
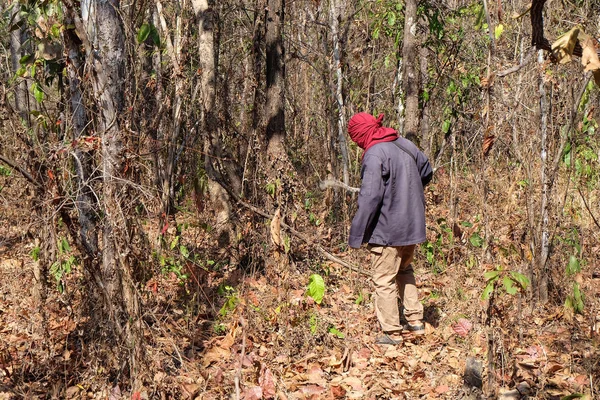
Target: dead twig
306	240
327	183
587	207
526	61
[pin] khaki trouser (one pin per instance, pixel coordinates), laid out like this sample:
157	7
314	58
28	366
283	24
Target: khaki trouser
394	277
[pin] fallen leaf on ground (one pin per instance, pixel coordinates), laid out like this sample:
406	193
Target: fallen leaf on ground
462	327
267	383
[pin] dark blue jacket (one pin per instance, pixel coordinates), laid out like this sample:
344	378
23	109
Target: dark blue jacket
391	202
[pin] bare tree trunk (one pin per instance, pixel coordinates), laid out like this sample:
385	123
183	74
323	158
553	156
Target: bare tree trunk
542	273
427	140
334	17
86	201
274	102
398	84
108	82
411	79
208	121
17	39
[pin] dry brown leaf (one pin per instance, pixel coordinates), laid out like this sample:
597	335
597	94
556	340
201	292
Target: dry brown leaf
462	327
267	383
564	45
589	59
337	392
215	354
276	228
253	393
488	142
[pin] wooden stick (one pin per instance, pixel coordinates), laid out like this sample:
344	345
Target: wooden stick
306	240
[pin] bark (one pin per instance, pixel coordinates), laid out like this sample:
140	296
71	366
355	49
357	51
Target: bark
213	148
86	200
108	81
334	17
427	139
274	102
411	80
173	139
542	273
17	38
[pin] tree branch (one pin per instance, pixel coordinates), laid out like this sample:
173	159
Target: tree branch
528	58
306	240
22	171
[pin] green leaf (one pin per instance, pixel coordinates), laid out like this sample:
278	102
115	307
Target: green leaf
64	246
391	19
143	33
476	240
316	288
446	126
519	278
26	59
509	285
487	292
333	330
38	93
491	275
174	243
573	267
498	31
184	251
35	253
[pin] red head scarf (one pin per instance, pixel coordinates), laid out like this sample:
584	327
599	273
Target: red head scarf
366	131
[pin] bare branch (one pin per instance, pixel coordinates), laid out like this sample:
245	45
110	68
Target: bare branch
22	171
327	183
528	58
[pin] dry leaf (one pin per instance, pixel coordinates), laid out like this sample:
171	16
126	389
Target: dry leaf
488	142
564	45
267	383
442	389
276	228
215	354
462	327
589	59
253	393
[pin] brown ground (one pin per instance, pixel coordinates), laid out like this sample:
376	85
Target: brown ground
225	331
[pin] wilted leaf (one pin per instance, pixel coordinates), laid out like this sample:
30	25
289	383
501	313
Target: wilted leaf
488	142
462	327
589	59
316	288
253	393
267	383
564	45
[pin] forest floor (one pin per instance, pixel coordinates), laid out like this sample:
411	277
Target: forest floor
250	333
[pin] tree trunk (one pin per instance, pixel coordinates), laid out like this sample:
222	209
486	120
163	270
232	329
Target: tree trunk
17	38
334	17
108	81
274	109
542	273
411	79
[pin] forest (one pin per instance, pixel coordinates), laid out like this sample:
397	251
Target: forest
177	186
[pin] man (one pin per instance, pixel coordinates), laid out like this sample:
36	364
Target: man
391	219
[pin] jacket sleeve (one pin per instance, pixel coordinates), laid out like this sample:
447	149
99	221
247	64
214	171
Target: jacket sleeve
369	200
424	168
